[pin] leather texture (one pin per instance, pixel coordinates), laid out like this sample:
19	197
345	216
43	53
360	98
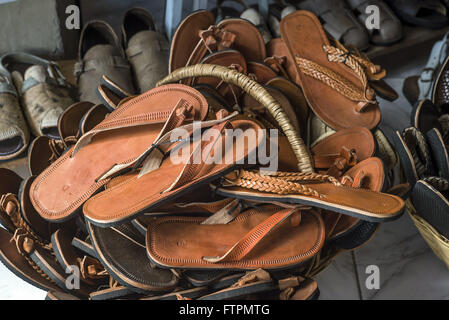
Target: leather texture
142	126
305	38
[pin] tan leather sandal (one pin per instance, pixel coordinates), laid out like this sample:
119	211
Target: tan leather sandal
330	74
267	237
62	188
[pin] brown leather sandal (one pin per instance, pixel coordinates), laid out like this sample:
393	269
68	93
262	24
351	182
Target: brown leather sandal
330	75
268	237
62	188
175	177
321	191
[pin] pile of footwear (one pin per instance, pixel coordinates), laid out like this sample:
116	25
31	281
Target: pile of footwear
242	174
423	149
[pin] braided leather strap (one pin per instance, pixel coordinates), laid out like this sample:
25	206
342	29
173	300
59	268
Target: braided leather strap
337	82
281	182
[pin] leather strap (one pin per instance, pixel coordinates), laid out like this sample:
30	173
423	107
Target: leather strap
245	245
92	64
150	118
152	157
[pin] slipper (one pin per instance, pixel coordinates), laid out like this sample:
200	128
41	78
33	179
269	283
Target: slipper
329	75
89	271
439	150
185	38
321	191
343	149
254	283
237	34
279	59
430	197
43	91
176	177
100	53
414	154
21	265
121	250
59	191
269	239
146	48
40	227
349	232
417	88
44	151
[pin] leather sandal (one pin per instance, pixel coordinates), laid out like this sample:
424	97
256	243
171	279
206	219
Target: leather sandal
439	147
278	58
185	38
265	238
104	146
90	271
14	132
317	190
258	282
43	90
100	53
122	252
147	49
330	75
414	155
174	178
21	265
431	201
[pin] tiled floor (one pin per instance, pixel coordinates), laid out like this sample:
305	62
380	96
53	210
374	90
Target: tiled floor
408	268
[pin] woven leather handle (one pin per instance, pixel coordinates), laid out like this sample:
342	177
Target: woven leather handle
259	93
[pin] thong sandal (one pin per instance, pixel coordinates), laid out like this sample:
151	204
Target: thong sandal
268	238
63	187
122	252
321	191
175	178
330	75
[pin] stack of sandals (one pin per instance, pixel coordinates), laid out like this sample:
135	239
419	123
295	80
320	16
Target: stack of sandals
110	201
423	149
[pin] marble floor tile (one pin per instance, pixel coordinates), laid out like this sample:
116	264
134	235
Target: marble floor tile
338	281
408	268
